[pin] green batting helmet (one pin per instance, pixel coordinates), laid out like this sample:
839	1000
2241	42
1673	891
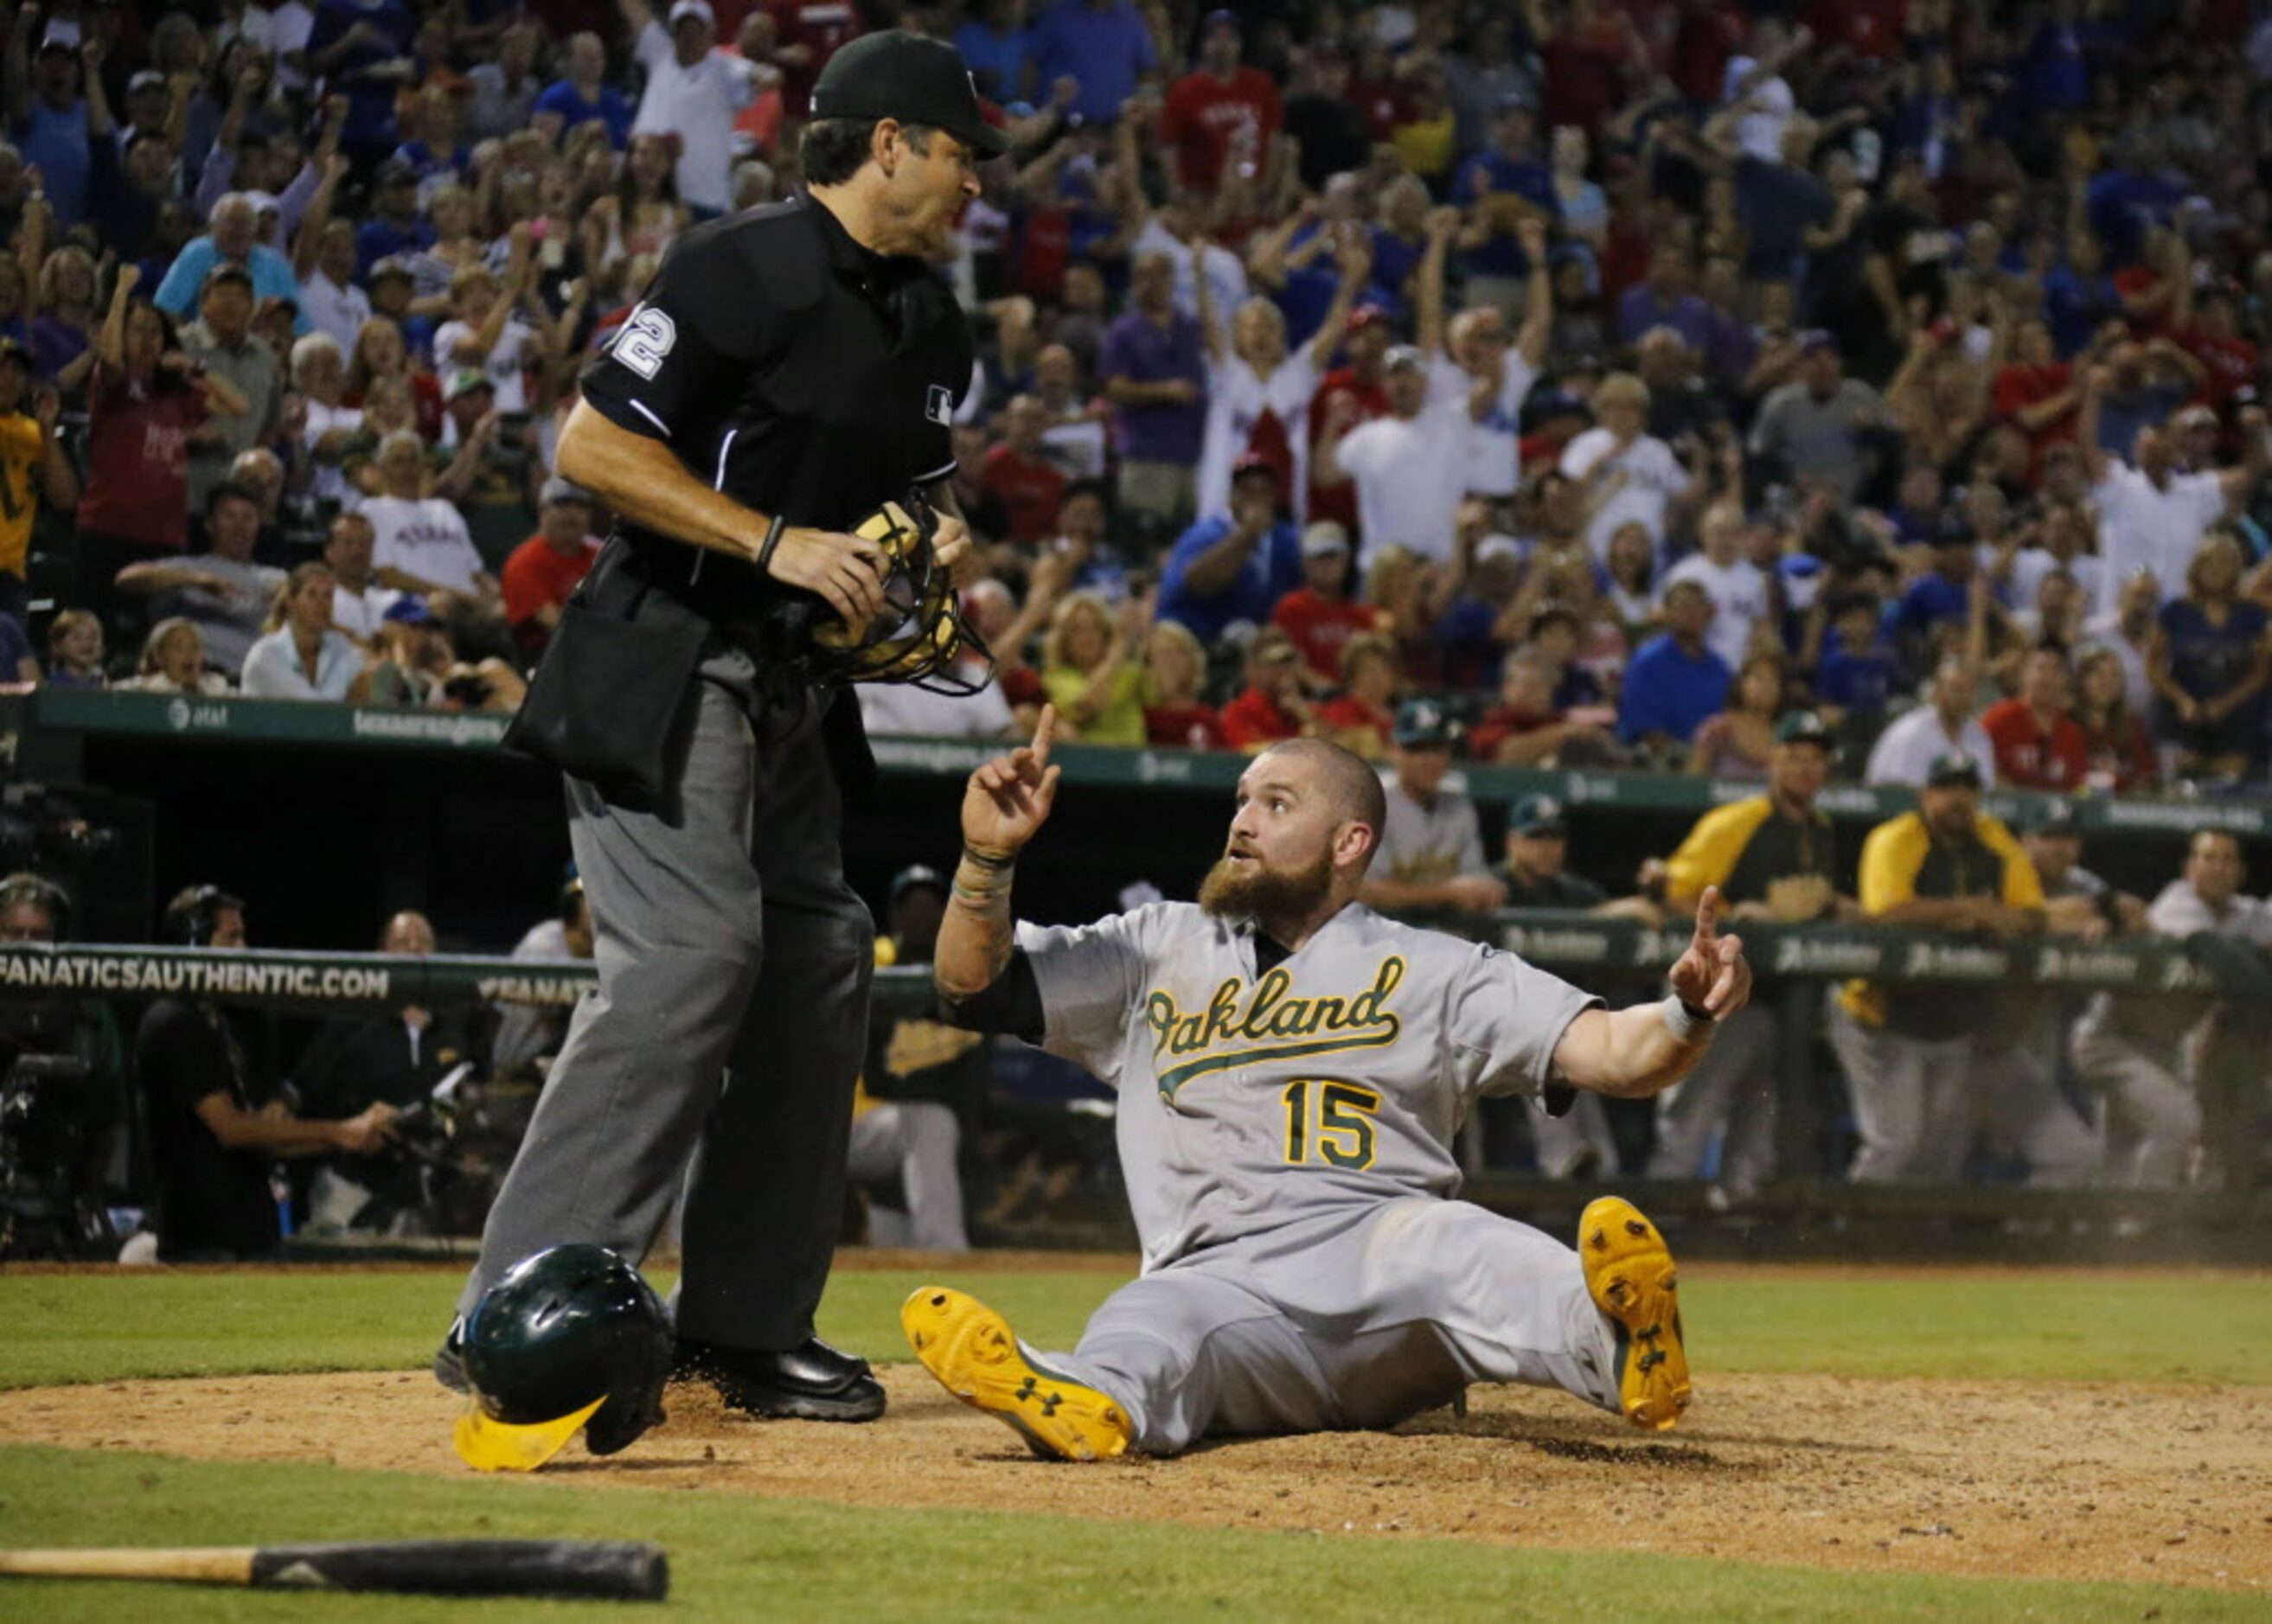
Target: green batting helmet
571	1338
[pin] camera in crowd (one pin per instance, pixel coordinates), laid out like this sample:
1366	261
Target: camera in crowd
42	829
50	1110
450	1153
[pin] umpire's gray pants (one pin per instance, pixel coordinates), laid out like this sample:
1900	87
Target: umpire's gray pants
1353	1319
727	1025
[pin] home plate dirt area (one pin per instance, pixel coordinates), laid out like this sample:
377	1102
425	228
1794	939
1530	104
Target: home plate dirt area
2074	1480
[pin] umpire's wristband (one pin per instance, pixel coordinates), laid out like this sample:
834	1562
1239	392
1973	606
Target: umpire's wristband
1688	1025
773	540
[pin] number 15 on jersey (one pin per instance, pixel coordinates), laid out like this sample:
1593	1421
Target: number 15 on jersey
1331	1121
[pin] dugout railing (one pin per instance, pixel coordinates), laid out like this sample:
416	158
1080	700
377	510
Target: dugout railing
1809	1210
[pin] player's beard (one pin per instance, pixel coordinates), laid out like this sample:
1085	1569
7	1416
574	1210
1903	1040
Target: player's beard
1250	891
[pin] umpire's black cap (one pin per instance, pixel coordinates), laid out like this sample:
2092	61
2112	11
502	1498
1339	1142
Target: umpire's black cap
895	74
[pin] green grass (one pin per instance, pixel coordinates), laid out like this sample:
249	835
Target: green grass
2052	1325
734	1557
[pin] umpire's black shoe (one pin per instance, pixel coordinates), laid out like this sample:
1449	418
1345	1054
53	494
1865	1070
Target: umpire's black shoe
814	1382
450	1358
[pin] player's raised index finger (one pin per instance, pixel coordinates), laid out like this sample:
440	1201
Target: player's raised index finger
1708	914
1044	731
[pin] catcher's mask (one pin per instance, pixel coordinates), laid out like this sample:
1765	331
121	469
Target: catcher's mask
920	633
571	1338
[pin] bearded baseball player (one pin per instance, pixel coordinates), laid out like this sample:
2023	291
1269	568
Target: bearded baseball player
1292	1068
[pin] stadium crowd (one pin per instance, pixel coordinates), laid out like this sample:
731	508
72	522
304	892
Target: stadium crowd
1682	385
1623	376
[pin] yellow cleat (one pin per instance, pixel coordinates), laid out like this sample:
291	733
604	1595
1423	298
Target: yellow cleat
969	1348
1630	1274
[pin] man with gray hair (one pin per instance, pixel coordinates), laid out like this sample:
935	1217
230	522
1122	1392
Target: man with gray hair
233	238
421	542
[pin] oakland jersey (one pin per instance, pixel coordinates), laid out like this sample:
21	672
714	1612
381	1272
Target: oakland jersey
1251	1099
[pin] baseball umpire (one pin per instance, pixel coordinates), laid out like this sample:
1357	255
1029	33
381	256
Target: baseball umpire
1292	1068
792	368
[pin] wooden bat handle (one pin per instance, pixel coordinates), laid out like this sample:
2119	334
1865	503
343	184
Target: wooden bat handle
571	1567
215	1565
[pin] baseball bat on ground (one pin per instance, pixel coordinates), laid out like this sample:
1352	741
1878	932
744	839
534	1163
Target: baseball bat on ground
582	1569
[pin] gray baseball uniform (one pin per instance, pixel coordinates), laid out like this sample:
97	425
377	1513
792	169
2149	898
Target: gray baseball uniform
1423	845
1286	1135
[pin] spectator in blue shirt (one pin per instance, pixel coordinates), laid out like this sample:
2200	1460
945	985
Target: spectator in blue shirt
1513	168
2148	383
996	46
1233	566
1943	594
1102	45
1858	673
2123	201
437	154
362	50
231	240
395	228
49	121
1664	299
1676	681
584	96
2078	297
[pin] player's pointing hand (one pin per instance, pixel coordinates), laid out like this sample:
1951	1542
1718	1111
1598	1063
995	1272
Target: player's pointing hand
1713	975
1009	798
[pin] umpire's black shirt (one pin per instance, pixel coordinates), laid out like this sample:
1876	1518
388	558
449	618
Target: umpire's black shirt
792	368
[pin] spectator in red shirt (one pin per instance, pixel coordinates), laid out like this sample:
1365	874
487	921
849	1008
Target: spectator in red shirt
1272	708
1362	716
545	568
2151	289
1317	615
1526	728
1364	380
1374	91
144	403
2212	337
1704	40
2038	393
1175	716
1585	56
1220	114
2039	744
808	33
1028	486
1875	30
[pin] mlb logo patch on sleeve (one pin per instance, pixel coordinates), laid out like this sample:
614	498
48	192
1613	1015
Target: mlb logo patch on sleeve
938	405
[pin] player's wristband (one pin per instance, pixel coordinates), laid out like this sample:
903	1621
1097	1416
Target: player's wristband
773	540
986	861
1684	1022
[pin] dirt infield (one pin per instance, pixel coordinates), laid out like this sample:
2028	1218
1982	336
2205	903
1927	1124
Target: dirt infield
2069	1480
